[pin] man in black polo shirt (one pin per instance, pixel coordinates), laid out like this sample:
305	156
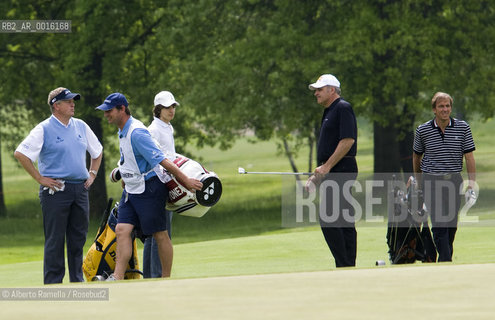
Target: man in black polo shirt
439	147
337	169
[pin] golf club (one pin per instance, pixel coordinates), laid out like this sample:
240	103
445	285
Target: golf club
243	171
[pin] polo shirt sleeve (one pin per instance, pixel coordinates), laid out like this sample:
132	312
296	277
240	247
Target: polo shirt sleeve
32	144
468	143
418	146
143	143
94	146
156	135
347	123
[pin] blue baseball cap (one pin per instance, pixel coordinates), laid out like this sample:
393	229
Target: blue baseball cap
65	95
112	101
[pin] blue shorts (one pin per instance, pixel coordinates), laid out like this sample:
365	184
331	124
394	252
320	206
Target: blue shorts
145	210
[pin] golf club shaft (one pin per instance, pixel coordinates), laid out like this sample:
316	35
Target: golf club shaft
282	173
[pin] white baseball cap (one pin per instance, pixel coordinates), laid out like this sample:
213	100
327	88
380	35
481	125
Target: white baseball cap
325	80
165	98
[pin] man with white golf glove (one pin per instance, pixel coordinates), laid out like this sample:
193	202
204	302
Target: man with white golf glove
440	146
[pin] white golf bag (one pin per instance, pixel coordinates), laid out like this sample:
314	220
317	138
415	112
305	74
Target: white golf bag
194	204
181	200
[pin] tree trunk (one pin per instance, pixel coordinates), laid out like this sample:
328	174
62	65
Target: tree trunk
3	209
406	140
312	141
98	191
311	144
393	146
386	148
289	156
405	151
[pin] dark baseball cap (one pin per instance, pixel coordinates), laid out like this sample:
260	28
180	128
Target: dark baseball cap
65	95
112	101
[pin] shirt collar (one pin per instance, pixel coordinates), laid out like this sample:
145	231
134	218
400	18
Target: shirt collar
435	125
125	129
334	102
68	124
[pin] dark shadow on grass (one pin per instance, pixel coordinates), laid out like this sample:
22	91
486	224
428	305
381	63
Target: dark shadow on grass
29	209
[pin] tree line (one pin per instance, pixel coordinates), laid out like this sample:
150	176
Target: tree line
245	65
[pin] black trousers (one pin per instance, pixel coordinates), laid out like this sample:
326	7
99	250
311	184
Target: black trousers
343	245
65	219
336	217
442	196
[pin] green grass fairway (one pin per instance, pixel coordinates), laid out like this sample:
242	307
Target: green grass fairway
427	292
238	262
289	250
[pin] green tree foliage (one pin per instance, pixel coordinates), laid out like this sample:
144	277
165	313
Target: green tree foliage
106	37
251	70
245	65
391	56
252	61
396	54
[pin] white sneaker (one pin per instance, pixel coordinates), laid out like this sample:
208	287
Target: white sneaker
111	278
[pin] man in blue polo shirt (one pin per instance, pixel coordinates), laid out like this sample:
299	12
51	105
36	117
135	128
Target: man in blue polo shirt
59	144
439	148
336	156
144	196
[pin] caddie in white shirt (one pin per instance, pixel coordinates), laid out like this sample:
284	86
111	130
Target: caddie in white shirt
160	128
162	132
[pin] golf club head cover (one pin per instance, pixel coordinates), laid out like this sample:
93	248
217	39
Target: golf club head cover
115	175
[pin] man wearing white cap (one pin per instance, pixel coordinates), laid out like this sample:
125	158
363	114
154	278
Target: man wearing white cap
336	157
162	131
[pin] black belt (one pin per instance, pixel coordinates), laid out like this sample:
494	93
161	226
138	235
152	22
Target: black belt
72	181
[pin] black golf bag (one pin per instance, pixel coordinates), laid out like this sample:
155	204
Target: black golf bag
99	262
408	234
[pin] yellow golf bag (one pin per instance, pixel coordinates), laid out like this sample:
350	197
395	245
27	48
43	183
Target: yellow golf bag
99	262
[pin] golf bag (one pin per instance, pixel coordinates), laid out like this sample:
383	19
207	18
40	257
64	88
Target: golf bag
193	204
181	200
408	234
99	262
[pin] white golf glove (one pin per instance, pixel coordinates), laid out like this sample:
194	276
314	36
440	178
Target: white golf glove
471	197
55	189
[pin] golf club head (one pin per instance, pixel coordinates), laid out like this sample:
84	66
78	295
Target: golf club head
98	278
241	170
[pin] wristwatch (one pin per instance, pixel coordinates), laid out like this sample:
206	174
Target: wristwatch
93	172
